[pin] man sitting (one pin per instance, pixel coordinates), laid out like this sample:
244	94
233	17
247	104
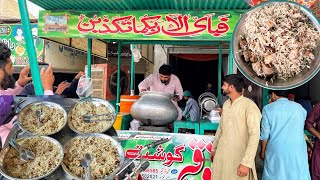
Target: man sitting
192	109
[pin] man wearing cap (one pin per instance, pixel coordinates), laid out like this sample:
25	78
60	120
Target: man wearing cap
192	109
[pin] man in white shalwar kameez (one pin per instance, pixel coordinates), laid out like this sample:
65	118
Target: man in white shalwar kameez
237	138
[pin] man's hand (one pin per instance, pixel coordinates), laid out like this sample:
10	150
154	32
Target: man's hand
23	77
175	98
47	78
212	156
61	87
143	90
243	170
81	73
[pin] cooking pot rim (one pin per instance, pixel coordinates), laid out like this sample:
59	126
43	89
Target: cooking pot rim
155	93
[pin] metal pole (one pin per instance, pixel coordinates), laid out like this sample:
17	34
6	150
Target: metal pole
89	57
219	73
132	72
265	96
230	62
118	77
30	47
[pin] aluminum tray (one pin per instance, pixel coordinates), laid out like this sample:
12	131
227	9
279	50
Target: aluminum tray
6	149
45	103
277	84
114	142
62	136
95	101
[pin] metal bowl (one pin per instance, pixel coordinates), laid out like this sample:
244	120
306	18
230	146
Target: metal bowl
45	103
277	84
6	149
207	102
96	101
116	144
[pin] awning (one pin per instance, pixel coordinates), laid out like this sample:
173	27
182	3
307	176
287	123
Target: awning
123	5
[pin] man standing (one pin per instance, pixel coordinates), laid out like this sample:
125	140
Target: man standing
283	146
237	138
165	82
313	125
192	109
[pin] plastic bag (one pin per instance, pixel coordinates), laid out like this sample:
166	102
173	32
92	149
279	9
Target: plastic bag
84	88
215	115
134	125
136	54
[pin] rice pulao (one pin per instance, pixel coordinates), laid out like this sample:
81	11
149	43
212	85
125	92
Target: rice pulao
89	108
48	157
105	157
51	119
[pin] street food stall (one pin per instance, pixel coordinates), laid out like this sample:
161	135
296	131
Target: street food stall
86	124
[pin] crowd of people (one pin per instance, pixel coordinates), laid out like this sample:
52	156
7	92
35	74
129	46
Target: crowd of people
24	84
10	87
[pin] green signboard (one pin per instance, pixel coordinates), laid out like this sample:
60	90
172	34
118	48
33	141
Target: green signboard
12	35
185	156
140	25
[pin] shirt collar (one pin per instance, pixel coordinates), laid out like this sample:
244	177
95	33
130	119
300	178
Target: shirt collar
282	99
238	99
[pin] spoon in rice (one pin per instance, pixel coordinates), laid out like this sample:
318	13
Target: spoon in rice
38	114
30	155
93	118
85	163
23	157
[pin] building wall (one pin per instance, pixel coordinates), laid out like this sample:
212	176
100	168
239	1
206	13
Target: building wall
66	59
63	58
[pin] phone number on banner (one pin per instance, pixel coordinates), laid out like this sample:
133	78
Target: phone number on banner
146	176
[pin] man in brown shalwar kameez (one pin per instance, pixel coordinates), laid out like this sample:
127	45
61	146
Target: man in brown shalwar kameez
237	138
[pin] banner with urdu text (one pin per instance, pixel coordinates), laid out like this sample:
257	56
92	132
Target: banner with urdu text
213	25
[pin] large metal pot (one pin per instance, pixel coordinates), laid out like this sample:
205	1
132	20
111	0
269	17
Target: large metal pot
154	108
277	84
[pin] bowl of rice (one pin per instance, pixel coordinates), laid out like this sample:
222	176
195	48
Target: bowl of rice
92	107
107	156
49	156
276	45
52	118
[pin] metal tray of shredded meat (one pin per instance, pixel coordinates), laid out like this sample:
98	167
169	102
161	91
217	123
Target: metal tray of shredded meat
62	136
276	84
